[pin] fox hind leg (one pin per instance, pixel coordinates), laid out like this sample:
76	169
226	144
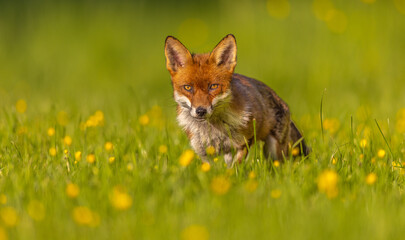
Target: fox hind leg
296	136
275	149
276	142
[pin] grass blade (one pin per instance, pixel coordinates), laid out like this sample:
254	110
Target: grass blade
386	142
320	115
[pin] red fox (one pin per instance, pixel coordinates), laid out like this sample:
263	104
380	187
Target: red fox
219	108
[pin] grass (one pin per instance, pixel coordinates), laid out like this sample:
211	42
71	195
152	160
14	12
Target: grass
95	73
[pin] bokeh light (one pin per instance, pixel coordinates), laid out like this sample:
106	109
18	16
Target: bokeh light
368	1
36	210
279	9
322	8
400	6
336	21
195	232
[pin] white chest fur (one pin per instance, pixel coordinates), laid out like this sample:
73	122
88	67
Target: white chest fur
222	130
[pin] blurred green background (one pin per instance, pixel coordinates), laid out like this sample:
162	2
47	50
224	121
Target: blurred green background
62	61
106	54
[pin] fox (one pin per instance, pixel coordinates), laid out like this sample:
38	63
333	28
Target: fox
225	110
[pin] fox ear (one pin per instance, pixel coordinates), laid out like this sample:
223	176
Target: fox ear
224	54
177	55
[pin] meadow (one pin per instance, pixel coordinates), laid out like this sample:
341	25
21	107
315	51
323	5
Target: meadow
90	147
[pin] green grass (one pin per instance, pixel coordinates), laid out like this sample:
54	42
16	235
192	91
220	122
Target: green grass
79	58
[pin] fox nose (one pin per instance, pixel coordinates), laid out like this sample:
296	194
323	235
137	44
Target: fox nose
201	111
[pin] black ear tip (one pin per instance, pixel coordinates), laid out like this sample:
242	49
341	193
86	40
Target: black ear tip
231	36
170	38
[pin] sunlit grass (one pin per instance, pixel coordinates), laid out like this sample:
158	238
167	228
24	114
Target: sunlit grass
99	177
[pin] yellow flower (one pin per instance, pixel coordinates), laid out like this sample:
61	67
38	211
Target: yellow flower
3	199
276	163
220	185
210	150
21	106
78	156
295	151
72	190
186	158
52	151
97	119
144	120
67	140
381	153
108	146
252	175
163	149
327	183
36	210
275	193
395	164
195	232
363	143
62	118
84	216
334	160
251	185
205	167
130	166
111	159
371	178
9	216
331	124
22	130
120	199
91	158
51	131
216	159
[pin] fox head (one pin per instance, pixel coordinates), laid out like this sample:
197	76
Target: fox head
201	82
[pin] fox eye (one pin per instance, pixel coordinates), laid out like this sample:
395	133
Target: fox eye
214	86
187	87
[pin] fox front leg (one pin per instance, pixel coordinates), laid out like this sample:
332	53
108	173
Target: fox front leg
240	155
199	149
228	159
